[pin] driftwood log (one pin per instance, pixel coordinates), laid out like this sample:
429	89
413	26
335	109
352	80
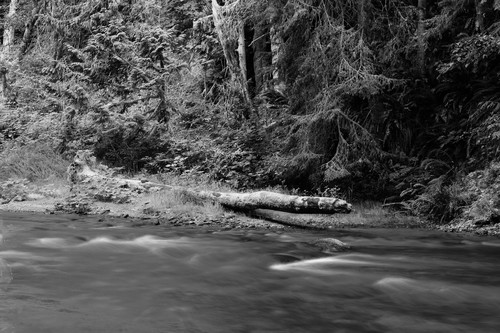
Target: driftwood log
315	221
85	169
272	200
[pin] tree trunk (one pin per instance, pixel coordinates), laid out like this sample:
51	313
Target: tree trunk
9	95
5	84
262	61
279	73
480	15
422	4
8	33
242	53
297	220
29	29
230	41
361	16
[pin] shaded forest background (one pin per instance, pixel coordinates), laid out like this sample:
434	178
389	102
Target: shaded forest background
386	100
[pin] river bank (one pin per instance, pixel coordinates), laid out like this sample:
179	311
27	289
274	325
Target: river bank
98	191
144	210
156	206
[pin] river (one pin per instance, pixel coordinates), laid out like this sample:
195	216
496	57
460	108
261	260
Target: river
76	274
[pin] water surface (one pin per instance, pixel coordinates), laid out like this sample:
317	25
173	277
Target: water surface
72	274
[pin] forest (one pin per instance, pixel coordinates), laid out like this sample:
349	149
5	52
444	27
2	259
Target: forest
393	101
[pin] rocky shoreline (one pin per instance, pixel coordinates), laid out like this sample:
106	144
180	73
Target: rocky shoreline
137	212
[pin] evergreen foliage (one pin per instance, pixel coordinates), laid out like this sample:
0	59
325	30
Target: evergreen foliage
356	95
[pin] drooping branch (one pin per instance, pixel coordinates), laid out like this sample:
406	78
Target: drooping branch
263	56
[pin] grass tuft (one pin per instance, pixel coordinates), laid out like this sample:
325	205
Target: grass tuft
179	204
372	214
35	162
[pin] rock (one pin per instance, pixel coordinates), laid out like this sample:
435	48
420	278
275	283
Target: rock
73	206
34	196
13	190
330	245
19	198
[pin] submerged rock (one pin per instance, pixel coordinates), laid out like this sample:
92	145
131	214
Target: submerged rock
330	245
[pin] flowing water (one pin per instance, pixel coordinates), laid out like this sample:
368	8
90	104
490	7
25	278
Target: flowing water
71	274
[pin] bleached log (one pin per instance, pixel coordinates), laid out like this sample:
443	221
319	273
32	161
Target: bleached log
312	221
274	201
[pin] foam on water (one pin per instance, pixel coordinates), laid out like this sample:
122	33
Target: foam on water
20	255
152	243
407	290
496	244
411	292
149	242
326	265
422	287
53	243
352	261
397	283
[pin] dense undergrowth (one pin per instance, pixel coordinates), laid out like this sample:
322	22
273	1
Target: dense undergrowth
366	100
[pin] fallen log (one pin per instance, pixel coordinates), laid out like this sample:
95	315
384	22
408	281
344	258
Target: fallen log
272	200
310	221
84	169
291	219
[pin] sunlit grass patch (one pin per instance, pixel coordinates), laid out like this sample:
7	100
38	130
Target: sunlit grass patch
178	203
372	214
35	162
54	187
